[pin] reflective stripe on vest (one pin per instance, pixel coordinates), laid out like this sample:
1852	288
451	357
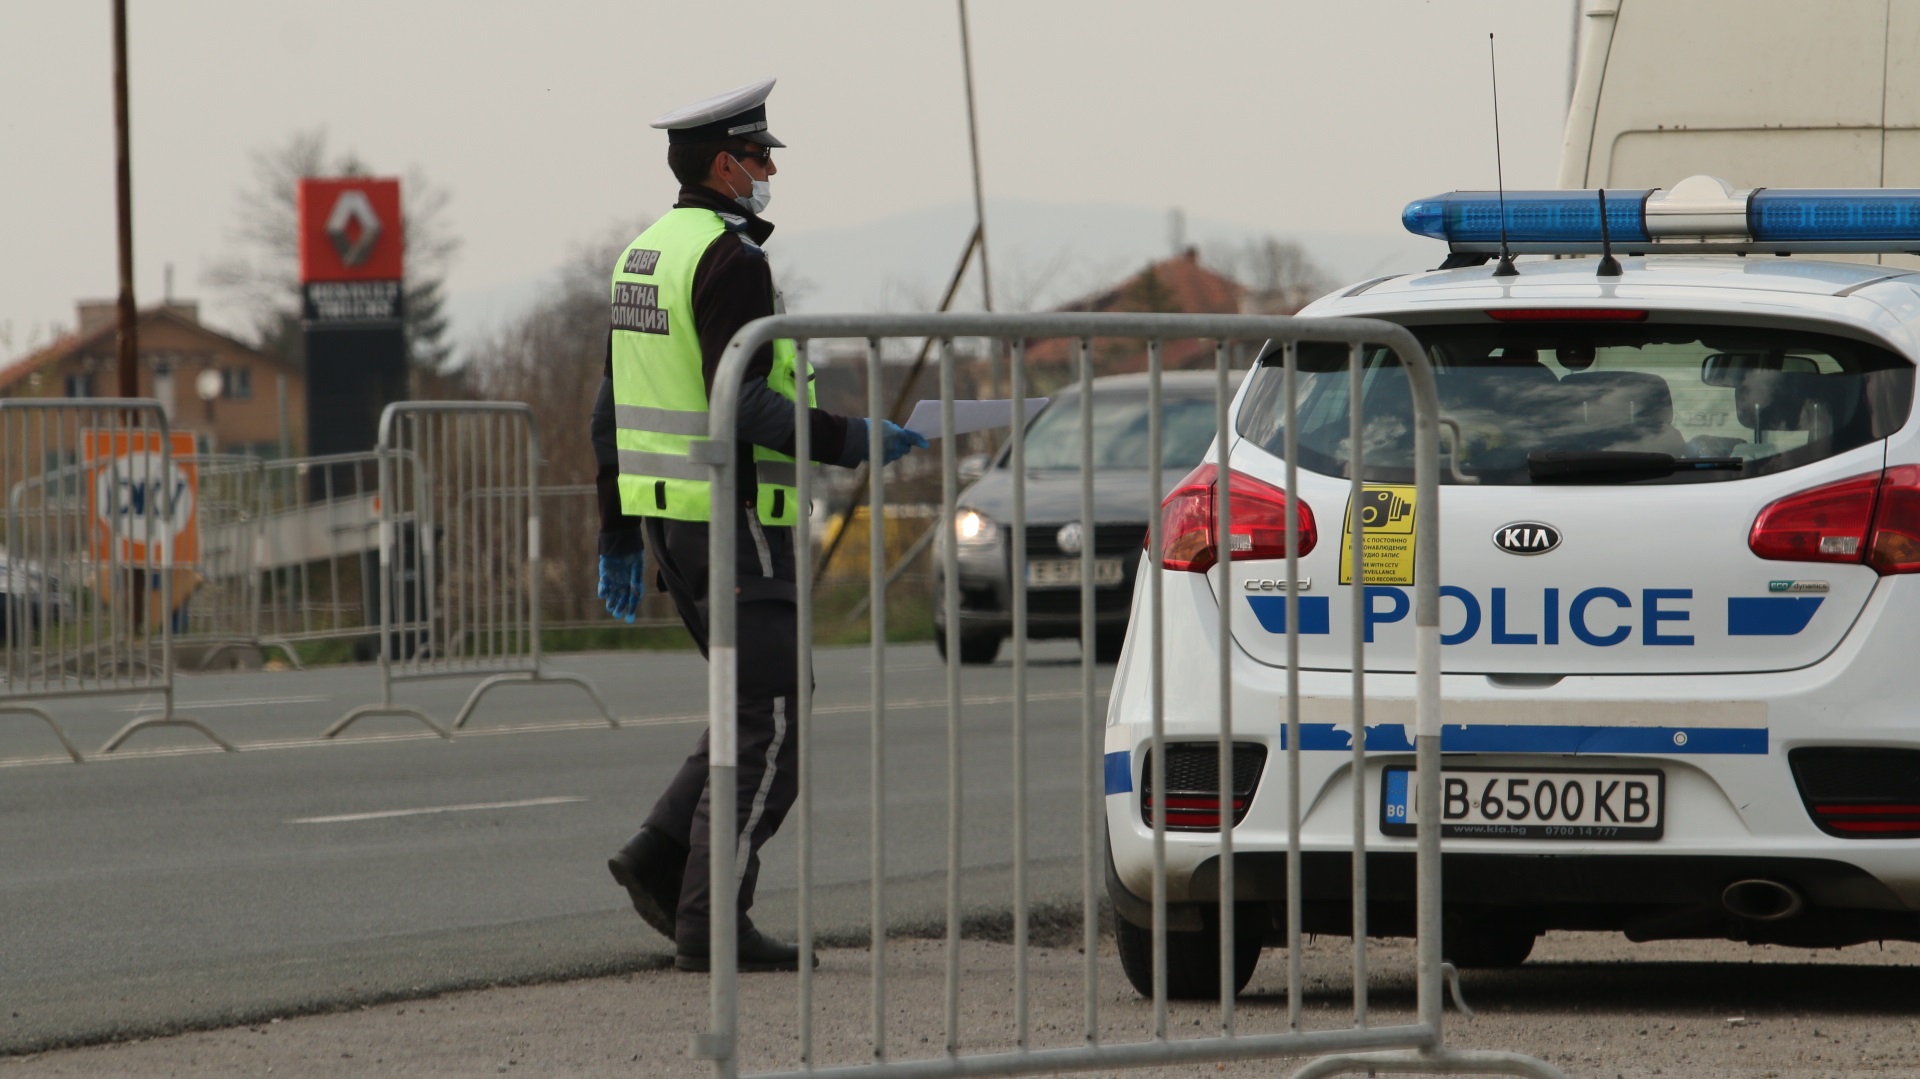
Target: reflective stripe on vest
777	473
670	421
659	385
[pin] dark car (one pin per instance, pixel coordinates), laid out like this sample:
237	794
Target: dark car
1055	532
30	598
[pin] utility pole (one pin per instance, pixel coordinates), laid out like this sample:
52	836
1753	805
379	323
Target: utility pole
129	344
979	200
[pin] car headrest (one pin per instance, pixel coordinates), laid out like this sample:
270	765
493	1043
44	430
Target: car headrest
1624	398
1790	401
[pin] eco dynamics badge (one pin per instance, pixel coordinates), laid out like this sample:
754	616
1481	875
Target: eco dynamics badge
1387	513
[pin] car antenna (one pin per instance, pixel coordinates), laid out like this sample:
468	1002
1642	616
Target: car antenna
1503	268
1609	266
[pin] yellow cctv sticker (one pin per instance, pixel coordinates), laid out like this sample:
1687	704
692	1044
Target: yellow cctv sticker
1387	513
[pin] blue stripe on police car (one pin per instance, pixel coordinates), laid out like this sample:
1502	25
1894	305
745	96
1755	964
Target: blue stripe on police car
1568	738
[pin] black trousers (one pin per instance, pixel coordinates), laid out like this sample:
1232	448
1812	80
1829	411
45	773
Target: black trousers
767	779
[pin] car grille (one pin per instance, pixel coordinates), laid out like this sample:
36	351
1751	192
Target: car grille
1193	784
1043	541
1066	601
1860	793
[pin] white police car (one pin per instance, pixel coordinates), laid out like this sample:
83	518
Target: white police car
1680	540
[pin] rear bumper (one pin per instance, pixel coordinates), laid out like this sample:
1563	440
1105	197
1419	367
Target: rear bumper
1732	807
1646	897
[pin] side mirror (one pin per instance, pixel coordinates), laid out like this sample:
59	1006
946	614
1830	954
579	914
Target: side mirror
972	467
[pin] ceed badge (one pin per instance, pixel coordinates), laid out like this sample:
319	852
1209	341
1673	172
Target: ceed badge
1526	537
1799	587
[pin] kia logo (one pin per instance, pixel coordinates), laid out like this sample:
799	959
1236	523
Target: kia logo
1526	537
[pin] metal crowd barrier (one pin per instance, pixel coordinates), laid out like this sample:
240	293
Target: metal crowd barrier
1416	1046
459	547
99	529
219	608
316	550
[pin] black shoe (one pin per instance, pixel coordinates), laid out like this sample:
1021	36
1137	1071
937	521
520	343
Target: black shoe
650	868
757	952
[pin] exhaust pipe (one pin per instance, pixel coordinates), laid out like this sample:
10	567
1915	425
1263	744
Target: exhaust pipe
1762	900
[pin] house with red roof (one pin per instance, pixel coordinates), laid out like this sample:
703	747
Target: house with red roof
1181	283
234	397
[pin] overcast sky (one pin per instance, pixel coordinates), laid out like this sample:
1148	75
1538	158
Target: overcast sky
1288	115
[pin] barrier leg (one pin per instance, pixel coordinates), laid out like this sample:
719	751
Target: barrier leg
1432	1061
286	648
216	650
533	679
166	720
387	709
52	724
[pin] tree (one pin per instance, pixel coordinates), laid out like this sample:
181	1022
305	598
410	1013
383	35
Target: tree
552	358
1280	276
262	275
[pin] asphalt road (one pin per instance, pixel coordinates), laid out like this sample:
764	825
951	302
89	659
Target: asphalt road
170	885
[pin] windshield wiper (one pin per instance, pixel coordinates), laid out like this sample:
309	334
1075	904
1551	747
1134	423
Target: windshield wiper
1619	466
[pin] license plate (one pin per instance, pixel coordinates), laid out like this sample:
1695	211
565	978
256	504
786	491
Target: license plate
1532	803
1065	572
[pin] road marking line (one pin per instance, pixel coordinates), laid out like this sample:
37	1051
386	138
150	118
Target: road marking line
468	808
235	702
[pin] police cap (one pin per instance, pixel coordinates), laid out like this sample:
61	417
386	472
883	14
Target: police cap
740	113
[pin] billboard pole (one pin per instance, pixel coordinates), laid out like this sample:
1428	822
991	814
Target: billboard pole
129	385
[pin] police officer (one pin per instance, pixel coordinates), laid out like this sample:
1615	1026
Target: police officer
680	291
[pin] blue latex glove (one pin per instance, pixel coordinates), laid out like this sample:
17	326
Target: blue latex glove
622	583
896	441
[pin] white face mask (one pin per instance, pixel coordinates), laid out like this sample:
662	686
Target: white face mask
762	193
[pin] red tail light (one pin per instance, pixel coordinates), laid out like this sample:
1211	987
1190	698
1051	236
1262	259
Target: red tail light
1193	813
1896	522
1891	821
1872	519
1860	792
1189	518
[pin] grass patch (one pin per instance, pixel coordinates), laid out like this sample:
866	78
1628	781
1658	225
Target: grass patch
909	614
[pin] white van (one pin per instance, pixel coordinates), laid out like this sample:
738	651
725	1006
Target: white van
1782	92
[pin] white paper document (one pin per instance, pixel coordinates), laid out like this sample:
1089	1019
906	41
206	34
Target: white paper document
968	416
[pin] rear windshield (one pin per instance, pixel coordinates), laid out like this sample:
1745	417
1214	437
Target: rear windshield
1120	433
1736	402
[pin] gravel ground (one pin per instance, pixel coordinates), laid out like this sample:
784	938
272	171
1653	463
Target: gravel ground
1594	1005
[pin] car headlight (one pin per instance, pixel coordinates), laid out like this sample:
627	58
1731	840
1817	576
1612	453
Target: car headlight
975	531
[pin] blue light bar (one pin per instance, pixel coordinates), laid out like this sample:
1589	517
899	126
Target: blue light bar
1533	217
1699	214
1834	214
